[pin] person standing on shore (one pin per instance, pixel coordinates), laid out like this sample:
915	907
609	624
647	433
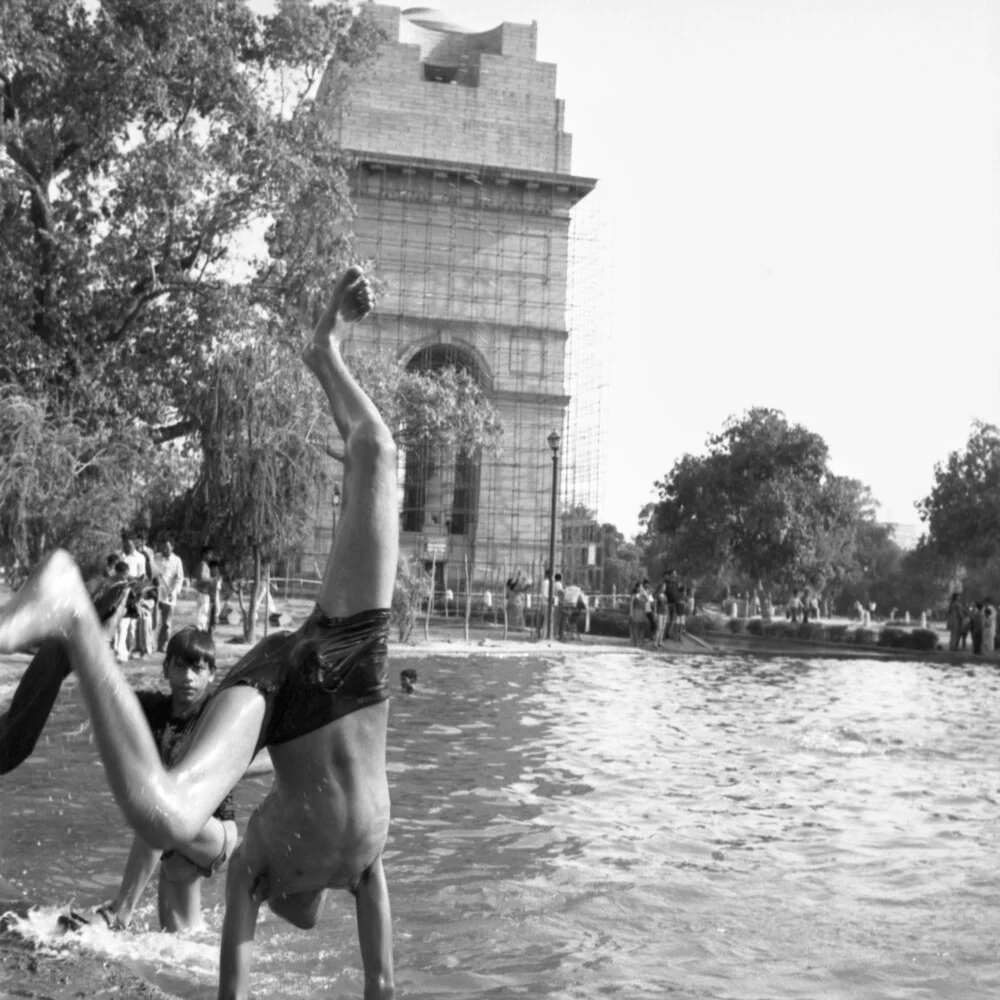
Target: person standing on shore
989	625
204	585
171	582
956	614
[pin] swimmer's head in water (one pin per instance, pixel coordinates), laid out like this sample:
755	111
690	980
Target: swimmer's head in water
189	665
408	680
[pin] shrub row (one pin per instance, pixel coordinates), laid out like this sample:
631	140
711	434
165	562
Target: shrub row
614	624
608	622
890	638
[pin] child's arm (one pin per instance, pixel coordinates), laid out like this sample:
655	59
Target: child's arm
139	868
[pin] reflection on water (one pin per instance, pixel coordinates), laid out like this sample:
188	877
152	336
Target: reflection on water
615	825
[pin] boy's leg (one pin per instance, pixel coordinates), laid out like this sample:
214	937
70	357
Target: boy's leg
178	901
361	569
166	808
166	618
375	932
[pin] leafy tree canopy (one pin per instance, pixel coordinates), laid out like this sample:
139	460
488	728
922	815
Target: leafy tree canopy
442	408
762	506
145	145
962	511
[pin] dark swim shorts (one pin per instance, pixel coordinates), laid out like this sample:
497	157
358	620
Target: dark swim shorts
325	670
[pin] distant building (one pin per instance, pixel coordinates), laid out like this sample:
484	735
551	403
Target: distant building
906	536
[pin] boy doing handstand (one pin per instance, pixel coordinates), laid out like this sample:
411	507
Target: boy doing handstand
317	698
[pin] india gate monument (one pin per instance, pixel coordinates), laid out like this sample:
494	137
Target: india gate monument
464	193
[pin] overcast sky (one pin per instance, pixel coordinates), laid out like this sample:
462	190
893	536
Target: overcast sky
803	200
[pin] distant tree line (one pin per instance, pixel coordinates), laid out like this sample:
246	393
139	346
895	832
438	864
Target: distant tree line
762	510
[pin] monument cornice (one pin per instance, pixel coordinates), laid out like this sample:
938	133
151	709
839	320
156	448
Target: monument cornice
570	184
524	395
463	325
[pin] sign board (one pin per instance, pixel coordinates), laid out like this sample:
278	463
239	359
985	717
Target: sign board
437	548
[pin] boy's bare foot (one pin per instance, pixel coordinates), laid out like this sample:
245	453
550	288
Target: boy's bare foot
46	605
352	300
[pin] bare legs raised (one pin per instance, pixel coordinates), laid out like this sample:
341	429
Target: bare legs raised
168	809
361	570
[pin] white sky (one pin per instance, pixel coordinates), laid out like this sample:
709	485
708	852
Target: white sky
804	208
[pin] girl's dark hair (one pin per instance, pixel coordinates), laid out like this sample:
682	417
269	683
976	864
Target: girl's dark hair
191	646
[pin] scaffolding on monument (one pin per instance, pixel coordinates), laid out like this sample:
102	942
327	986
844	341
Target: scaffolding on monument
501	271
481	255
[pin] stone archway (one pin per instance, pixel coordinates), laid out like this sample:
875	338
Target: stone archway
440	487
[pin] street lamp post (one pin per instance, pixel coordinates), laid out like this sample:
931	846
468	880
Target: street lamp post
554	440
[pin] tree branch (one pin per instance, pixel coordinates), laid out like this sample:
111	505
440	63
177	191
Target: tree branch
171	432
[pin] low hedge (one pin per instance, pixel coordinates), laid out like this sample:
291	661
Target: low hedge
812	631
705	621
738	626
892	638
839	633
608	622
865	636
755	626
924	639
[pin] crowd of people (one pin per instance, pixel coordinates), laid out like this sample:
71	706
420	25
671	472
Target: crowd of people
156	580
975	620
660	614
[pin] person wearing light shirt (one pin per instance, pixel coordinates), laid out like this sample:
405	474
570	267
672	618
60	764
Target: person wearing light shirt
135	560
171	572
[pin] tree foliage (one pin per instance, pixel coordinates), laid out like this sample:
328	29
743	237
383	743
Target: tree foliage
962	511
762	506
145	142
443	408
170	195
62	483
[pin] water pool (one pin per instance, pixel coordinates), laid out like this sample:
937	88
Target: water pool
603	824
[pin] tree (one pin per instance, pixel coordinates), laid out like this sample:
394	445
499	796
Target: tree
962	511
144	142
266	432
761	508
143	145
170	197
62	483
443	409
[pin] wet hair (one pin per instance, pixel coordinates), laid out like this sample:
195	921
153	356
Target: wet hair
408	679
191	646
121	566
